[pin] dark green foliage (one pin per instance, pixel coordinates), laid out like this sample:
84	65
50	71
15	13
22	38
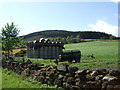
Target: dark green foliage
67	35
112	37
10	38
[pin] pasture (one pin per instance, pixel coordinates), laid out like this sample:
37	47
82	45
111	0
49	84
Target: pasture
105	53
12	80
102	50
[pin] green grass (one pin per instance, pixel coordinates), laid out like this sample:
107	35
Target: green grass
100	49
105	53
106	56
13	80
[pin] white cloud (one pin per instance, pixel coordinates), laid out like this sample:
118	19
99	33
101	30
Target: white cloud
115	1
103	26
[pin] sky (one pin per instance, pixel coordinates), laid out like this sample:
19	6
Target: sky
33	16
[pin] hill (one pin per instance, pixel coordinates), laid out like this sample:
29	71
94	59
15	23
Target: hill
63	33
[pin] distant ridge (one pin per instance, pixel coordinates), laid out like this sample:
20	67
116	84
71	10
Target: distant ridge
64	33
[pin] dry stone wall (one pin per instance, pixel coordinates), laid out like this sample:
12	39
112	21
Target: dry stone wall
67	77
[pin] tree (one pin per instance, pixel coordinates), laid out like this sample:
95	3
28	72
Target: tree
78	38
104	38
10	38
112	37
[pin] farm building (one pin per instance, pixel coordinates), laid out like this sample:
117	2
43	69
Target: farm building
44	48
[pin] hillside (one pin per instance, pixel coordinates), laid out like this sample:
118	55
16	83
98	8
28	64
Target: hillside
63	33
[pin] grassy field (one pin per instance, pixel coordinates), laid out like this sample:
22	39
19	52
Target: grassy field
100	49
13	80
105	53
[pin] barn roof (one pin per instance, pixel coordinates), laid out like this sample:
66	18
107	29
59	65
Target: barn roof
44	42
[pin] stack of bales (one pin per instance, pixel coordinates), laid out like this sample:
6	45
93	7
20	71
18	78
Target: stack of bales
44	48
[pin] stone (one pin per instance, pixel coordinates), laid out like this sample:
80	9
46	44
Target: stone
99	78
90	78
88	71
58	82
62	67
114	73
37	73
72	69
64	79
60	88
104	86
27	70
8	63
51	66
22	64
43	74
49	81
77	83
43	69
94	85
24	73
48	69
110	87
110	80
66	85
71	81
67	77
82	78
33	66
102	71
60	77
50	74
77	80
32	71
35	78
19	70
56	75
28	61
70	74
113	87
81	72
39	66
16	64
117	87
82	85
94	73
73	87
41	79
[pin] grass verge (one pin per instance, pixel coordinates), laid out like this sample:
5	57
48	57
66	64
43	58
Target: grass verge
13	80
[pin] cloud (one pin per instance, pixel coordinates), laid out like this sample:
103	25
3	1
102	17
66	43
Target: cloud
116	1
103	26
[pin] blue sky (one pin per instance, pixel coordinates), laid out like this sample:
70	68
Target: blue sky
73	16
